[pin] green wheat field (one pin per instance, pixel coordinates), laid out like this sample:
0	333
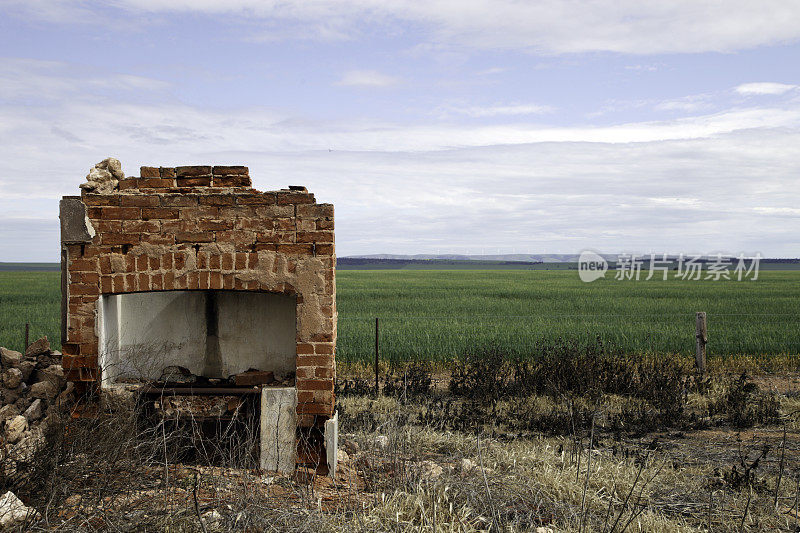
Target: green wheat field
439	314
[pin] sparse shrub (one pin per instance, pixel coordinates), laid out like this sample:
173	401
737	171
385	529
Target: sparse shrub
745	405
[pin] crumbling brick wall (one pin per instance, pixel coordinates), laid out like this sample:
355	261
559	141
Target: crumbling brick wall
203	227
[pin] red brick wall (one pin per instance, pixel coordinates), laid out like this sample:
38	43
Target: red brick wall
203	227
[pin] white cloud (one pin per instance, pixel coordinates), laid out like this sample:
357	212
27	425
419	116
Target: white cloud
500	110
763	88
367	78
410	188
550	26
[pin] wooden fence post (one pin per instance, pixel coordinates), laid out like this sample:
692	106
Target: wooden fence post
701	335
27	336
376	357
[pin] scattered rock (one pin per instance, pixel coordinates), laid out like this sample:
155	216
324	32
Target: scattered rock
8	411
349	445
429	469
67	396
40	347
13	512
9	358
73	501
342	456
544	529
382	441
213	519
27	368
15	428
22	403
104	177
468	465
12	378
34	412
53	373
44	390
10	396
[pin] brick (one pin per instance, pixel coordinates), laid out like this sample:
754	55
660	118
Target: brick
215	281
228	282
323	349
226	261
314	360
155	238
314	236
324	223
143	282
103	226
154	263
300	249
266	198
192	280
304	397
160	212
83	265
241	261
156	281
120	238
121	213
315	210
106	285
194	182
265	247
324	373
192	171
178	201
287	198
167	172
217	199
86	277
156	183
100	199
105	264
214	262
240	239
204	280
149	172
315	407
237	170
214	225
232	181
305	348
141	226
127	184
82	289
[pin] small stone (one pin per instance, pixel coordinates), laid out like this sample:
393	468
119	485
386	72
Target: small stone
44	390
22	403
177	374
468	465
429	469
8	411
27	368
10	396
12	378
53	373
213	519
73	501
9	358
104	177
40	347
342	456
544	529
350	445
382	441
16	428
34	412
13	512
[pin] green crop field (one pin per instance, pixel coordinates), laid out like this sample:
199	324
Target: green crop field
438	314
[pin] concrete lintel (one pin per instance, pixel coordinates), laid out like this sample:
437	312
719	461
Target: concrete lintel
278	429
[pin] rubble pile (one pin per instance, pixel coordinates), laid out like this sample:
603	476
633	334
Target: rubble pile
32	391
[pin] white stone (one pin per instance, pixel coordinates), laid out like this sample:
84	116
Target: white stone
332	443
278	429
429	469
8	411
13	512
15	428
104	176
343	456
468	465
382	441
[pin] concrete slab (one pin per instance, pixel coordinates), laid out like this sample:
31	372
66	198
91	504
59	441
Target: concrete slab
75	224
332	443
278	429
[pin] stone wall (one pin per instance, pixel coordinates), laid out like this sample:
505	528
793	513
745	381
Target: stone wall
201	228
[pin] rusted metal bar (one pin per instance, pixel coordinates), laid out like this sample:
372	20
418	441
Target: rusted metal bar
199	391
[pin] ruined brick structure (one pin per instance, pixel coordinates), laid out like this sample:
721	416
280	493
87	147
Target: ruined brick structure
202	228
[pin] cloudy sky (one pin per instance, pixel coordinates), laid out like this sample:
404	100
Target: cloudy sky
434	127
